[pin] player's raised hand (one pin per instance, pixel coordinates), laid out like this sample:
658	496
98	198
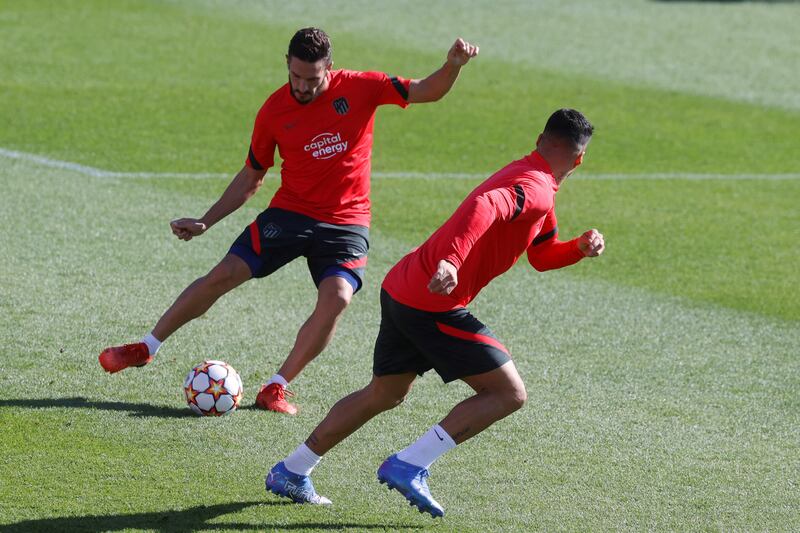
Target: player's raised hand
461	52
445	279
186	228
591	243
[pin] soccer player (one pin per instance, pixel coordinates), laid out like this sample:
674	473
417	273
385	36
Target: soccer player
425	324
321	121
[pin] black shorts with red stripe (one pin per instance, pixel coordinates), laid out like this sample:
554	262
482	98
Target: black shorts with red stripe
278	236
454	343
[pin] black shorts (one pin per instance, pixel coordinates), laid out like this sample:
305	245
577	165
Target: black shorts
454	343
277	237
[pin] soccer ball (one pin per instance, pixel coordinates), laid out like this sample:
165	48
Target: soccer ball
213	388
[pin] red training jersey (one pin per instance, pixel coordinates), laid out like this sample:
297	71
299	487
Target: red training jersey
325	144
509	213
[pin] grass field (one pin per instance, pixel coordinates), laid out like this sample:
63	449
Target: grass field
663	378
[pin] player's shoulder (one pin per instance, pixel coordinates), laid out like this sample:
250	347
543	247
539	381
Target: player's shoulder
521	172
534	187
357	76
535	174
539	191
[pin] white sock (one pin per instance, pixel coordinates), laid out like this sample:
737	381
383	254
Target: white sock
152	343
302	461
277	378
426	449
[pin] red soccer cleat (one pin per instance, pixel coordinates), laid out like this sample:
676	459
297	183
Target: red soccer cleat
118	358
272	398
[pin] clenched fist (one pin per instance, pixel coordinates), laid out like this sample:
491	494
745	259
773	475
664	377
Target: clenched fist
186	228
445	278
591	243
461	52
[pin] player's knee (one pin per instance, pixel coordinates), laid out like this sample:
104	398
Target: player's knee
389	400
335	297
514	398
217	280
221	279
385	398
341	299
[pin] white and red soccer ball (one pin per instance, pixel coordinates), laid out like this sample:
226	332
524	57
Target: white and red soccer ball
213	388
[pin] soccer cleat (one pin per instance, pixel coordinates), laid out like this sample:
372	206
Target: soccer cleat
293	486
118	358
272	397
409	480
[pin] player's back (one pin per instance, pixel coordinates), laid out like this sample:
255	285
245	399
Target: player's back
483	238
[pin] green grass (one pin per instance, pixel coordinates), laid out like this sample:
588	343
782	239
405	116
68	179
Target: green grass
662	377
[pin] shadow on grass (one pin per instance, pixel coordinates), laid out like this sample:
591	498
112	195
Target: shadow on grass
133	409
192	519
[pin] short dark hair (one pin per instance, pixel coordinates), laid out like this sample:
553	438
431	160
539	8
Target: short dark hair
570	125
311	45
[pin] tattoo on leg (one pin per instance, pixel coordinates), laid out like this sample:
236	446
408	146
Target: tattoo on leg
312	439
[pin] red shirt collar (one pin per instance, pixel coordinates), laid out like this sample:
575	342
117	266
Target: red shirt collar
539	163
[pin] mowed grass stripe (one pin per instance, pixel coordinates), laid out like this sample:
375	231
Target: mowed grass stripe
133	94
645	411
100	173
684	47
715	265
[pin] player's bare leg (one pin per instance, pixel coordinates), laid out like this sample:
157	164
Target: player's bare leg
333	297
358	408
499	393
198	297
290	477
194	301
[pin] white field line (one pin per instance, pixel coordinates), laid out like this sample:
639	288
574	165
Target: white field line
97	172
101	173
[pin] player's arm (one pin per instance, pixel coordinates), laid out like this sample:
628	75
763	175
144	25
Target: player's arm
546	252
439	83
468	224
244	185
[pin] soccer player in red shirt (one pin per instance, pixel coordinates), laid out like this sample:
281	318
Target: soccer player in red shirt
425	324
321	122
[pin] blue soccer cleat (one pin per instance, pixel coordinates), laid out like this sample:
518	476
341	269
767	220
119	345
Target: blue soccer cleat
293	486
409	480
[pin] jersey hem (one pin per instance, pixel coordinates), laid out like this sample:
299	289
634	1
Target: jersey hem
417	306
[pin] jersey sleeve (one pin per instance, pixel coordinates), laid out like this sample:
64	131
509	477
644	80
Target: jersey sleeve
387	89
262	144
546	252
473	218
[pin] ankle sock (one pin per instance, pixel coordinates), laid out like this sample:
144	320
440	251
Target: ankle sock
429	447
152	343
277	378
302	461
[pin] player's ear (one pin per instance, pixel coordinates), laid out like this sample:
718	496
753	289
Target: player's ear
538	140
579	159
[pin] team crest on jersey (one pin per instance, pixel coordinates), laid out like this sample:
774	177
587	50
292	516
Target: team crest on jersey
271	230
341	106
